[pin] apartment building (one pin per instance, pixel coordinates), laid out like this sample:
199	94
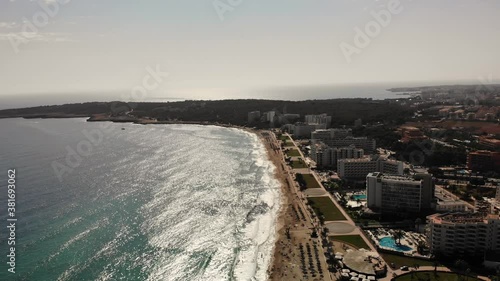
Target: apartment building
328	134
269	116
359	168
339	137
463	234
303	130
390	194
368	145
327	157
253	116
319	119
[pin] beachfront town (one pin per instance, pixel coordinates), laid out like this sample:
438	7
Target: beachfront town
402	209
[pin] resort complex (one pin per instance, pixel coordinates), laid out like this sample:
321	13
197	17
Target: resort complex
377	215
234	140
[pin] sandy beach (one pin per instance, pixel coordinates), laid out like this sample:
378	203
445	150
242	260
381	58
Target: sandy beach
297	256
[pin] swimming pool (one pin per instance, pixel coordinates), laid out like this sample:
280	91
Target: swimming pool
389	242
359	196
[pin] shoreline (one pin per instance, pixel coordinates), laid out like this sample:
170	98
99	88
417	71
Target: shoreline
281	221
136	121
284	254
294	226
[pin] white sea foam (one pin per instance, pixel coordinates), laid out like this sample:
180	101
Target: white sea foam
261	233
214	219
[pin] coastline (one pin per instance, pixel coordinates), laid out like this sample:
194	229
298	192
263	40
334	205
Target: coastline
281	220
294	226
285	250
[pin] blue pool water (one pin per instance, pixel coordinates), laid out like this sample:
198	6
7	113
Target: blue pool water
359	197
389	242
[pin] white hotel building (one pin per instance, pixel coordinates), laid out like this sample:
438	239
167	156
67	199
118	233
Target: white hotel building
360	168
389	193
471	234
326	156
343	138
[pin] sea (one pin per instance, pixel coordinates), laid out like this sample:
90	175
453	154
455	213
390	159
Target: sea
376	91
109	201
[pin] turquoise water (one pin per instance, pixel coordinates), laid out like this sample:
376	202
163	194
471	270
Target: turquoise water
159	202
389	242
359	197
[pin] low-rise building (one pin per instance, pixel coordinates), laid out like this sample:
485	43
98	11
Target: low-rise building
451	206
410	134
463	234
489	117
403	194
489	143
446	202
471	116
483	161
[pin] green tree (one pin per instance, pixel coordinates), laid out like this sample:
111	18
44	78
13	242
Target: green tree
397	235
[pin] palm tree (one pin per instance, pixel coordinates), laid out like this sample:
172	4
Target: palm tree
421	247
397	235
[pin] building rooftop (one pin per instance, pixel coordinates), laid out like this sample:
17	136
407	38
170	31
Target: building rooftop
363	262
364	159
463	218
393	177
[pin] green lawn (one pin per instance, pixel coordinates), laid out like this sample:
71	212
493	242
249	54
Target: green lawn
297	164
325	206
293	152
311	182
438	276
284	138
288	143
399	261
354	240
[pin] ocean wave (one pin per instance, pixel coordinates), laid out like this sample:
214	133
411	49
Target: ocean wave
214	217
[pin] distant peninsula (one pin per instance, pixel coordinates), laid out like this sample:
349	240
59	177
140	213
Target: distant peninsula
235	112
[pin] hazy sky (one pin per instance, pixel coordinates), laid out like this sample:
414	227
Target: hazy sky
106	45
